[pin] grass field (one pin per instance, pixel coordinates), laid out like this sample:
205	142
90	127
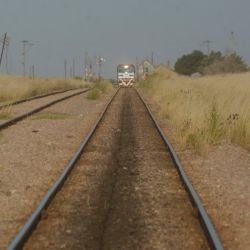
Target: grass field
15	88
203	111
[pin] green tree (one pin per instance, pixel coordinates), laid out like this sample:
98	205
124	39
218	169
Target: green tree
190	63
214	63
211	58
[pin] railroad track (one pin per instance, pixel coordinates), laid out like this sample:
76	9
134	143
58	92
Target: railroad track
121	190
24	115
34	98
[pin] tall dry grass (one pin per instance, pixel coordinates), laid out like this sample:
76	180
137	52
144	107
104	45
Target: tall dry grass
15	88
98	89
206	110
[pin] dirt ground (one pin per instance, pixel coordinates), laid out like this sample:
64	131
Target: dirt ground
124	193
33	154
222	179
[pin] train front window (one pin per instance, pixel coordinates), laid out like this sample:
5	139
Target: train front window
124	69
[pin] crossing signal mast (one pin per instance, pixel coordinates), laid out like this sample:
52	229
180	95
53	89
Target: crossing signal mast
99	62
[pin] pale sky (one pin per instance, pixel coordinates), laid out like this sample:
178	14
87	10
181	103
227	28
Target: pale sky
119	31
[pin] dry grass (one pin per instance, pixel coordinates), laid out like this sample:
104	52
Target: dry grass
6	113
206	110
98	89
15	88
52	116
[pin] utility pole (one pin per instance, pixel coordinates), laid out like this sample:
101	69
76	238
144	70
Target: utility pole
65	68
207	42
168	64
33	71
7	43
6	56
85	65
25	50
4	41
73	70
232	50
137	68
152	58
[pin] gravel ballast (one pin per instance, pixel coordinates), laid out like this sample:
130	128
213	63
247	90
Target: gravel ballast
33	154
124	192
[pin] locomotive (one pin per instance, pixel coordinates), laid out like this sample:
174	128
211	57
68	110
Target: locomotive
126	75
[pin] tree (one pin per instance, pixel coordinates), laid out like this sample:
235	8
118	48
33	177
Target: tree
211	58
228	64
190	63
214	63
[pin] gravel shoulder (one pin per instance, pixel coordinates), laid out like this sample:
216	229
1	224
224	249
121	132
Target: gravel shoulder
33	154
222	179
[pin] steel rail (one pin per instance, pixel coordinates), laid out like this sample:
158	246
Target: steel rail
23	116
34	97
34	219
207	225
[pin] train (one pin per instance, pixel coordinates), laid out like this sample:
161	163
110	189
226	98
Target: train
126	75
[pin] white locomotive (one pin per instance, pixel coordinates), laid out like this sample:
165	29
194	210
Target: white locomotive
126	75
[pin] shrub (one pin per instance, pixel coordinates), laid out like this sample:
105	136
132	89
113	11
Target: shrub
229	64
93	94
6	113
190	63
215	125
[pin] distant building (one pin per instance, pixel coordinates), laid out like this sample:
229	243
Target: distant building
196	75
145	68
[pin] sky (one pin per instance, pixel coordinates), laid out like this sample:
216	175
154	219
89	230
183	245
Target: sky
119	31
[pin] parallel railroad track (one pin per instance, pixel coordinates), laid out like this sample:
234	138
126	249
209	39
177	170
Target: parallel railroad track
38	109
33	98
127	192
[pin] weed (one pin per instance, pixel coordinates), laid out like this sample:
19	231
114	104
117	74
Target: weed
215	125
98	89
193	140
6	113
52	116
239	133
94	94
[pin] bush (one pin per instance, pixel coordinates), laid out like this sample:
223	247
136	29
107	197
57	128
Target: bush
214	63
189	64
215	125
229	64
94	94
